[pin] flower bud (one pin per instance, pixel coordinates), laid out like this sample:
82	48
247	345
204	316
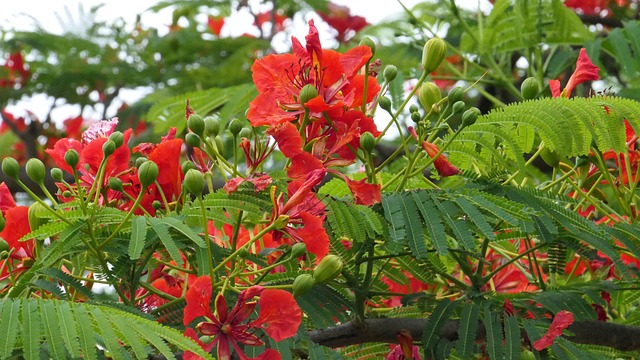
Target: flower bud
302	284
3	222
367	142
196	124
156	205
141	160
390	73
458	107
551	158
416	117
328	269
211	126
455	94
366	41
117	137
35	170
235	126
4	245
115	184
245	133
429	95
194	182
186	166
529	88
147	173
433	53
66	194
108	148
582	160
298	249
385	103
10	167
307	93
219	145
72	158
56	174
192	139
35	215
470	116
413	108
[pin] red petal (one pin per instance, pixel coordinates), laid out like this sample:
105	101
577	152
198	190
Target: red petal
585	71
561	321
302	164
232	185
60	149
442	164
554	85
198	299
167	156
215	24
268	354
314	235
6	199
363	193
16	226
221	308
288	138
280	313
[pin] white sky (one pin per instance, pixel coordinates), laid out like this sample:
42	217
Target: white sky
23	14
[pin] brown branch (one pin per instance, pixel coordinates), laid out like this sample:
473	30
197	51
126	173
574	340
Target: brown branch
591	332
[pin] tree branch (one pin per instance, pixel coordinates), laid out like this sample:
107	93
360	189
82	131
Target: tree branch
591	332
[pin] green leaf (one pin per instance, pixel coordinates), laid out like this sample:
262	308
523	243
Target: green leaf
51	329
8	325
86	333
435	322
180	227
467	330
429	214
68	330
138	236
493	328
169	243
476	217
31	330
512	337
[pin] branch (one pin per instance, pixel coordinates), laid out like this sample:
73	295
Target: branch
591	332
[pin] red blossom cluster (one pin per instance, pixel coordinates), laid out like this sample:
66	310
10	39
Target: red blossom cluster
21	253
16	74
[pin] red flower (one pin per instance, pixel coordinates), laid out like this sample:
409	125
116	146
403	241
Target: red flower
406	350
561	321
16	226
268	16
339	17
279	79
6	199
363	193
16	71
279	316
215	24
594	7
441	163
585	71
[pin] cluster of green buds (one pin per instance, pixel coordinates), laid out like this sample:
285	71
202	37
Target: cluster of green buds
329	268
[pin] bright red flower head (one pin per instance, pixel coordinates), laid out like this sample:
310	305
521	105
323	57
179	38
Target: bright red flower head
585	71
279	316
215	24
561	321
339	17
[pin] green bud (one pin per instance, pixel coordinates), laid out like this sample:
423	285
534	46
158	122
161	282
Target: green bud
243	253
4	245
416	117
328	269
196	124
115	184
366	41
367	142
108	148
530	88
187	165
194	182
470	116
298	249
192	139
3	222
156	205
458	107
455	94
35	215
429	95
245	133
72	158
551	158
433	53
141	160
211	126
66	193
307	93
147	173
56	174
219	145
118	138
36	170
4	255
302	284
385	103
235	126
10	167
413	108
390	72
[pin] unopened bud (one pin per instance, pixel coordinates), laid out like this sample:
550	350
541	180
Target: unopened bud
551	158
367	142
115	184
194	182
4	245
390	73
56	174
10	167
433	53
196	124
458	107
470	116
192	139
245	133
35	170
529	88
385	103
328	269
455	94
307	93
147	173
35	215
366	41
429	95
108	148
186	166
298	249
235	126
416	117
211	126
302	284
72	158
117	137
3	222
141	160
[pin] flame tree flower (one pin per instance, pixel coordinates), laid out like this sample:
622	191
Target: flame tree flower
279	317
585	71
